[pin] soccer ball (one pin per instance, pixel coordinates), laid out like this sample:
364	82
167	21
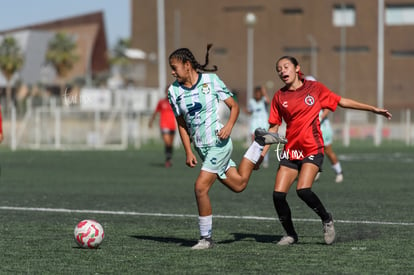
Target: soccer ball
88	234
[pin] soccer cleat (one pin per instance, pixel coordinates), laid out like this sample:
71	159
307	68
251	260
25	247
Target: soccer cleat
339	178
288	240
203	243
264	137
317	176
329	231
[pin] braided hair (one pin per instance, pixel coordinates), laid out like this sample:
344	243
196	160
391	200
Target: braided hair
184	55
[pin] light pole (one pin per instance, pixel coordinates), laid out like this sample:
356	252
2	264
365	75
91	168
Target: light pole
314	55
162	68
250	21
380	72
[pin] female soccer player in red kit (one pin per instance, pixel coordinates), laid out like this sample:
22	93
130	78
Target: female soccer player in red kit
299	103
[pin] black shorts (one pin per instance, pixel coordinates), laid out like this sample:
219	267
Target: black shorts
297	164
166	131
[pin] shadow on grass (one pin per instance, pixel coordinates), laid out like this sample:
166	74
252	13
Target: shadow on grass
178	241
257	237
188	243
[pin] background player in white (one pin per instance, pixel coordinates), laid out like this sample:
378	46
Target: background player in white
327	134
257	109
194	98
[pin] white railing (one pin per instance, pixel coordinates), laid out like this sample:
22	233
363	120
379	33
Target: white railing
124	122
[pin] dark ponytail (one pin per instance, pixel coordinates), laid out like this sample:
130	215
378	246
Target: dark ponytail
184	55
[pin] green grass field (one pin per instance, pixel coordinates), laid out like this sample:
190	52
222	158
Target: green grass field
150	218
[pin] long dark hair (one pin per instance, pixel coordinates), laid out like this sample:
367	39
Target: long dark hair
184	55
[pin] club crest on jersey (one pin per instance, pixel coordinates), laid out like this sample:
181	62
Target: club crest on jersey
205	89
309	100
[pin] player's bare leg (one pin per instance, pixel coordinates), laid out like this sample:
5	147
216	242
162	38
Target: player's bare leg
202	185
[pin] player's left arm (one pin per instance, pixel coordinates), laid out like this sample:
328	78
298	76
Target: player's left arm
265	95
234	114
353	104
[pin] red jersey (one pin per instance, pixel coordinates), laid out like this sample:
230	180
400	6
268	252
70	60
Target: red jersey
167	118
300	110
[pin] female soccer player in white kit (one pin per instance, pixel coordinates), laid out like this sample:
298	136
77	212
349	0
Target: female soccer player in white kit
194	98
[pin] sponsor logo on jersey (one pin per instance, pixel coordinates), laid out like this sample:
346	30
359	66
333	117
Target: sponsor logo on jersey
194	108
285	104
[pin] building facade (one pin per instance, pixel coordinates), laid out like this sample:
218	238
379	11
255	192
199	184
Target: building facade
335	41
88	31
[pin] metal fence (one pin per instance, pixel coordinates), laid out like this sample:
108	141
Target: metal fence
116	120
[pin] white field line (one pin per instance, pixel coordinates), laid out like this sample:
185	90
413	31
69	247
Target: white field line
127	213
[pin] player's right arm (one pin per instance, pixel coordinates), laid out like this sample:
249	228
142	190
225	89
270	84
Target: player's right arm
324	115
191	159
154	114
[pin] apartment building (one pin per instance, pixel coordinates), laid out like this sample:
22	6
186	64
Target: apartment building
334	40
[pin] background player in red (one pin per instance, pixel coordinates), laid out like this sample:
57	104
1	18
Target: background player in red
299	103
167	126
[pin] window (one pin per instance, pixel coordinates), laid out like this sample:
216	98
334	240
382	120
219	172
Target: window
298	50
220	51
253	8
399	15
351	49
343	16
402	53
292	11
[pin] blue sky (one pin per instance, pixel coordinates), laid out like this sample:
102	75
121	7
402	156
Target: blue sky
18	13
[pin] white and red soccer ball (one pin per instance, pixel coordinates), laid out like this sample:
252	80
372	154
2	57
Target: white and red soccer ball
89	234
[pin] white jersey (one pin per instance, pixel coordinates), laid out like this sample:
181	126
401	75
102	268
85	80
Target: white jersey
259	115
199	107
326	129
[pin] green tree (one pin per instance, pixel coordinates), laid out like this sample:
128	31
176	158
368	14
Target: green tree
11	60
118	53
120	61
62	55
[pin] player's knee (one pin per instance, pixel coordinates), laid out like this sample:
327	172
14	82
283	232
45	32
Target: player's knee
239	188
200	190
305	194
278	198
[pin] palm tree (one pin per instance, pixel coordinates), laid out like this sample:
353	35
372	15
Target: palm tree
61	55
118	53
119	60
11	60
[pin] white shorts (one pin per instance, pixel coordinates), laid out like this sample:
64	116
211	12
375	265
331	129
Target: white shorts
217	159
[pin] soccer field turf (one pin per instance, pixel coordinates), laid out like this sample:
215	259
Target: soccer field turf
150	216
